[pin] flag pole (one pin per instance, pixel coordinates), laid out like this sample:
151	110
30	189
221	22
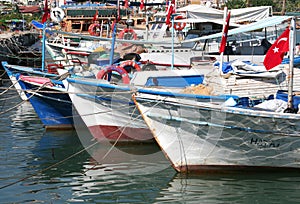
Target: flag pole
222	53
43	46
291	64
172	62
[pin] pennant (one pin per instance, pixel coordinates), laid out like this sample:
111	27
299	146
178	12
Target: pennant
95	16
46	15
170	11
276	52
224	35
126	4
142	4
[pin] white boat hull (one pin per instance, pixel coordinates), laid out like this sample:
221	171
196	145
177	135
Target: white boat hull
196	137
109	116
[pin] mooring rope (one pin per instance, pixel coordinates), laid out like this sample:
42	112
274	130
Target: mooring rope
49	167
7	89
122	129
69	92
3	74
11	97
23	101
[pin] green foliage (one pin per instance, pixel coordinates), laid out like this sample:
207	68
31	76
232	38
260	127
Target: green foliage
16	15
235	4
291	5
262	3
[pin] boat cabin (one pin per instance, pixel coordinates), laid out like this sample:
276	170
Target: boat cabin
79	18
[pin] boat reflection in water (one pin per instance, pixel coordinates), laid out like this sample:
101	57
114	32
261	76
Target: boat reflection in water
231	188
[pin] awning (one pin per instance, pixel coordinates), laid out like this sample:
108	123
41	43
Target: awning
267	22
249	14
202	20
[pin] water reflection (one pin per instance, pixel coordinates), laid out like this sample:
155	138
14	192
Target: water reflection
103	184
55	168
232	188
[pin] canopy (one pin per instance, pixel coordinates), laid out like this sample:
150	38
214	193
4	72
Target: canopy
199	13
267	22
202	20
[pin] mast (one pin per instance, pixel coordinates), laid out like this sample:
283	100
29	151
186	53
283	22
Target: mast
44	46
224	24
291	65
113	41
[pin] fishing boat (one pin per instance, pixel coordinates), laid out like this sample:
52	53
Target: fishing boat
12	70
225	135
107	109
49	100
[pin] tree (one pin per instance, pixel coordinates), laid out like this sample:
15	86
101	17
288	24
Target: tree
235	4
281	6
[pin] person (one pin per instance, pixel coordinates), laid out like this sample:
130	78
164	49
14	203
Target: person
297	49
168	33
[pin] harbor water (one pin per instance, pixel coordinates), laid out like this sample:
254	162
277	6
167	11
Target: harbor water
64	166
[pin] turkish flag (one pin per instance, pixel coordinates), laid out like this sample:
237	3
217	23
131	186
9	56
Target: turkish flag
126	4
224	36
95	16
142	4
46	12
171	10
276	52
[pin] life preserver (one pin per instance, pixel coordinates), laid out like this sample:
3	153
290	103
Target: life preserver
94	29
57	14
178	25
127	34
130	63
102	74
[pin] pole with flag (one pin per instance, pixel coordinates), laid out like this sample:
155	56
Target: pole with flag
276	52
95	18
170	12
142	5
291	64
284	43
44	22
170	20
46	12
126	5
224	36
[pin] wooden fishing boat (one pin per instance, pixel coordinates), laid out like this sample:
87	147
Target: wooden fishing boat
204	133
107	108
49	100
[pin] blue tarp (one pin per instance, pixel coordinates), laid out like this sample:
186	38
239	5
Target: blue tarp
226	66
37	24
296	61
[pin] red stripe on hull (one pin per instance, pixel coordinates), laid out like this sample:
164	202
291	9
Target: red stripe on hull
120	134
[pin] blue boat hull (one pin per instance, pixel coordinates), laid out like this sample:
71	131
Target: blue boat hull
53	109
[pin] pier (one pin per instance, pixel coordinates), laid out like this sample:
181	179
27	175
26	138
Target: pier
16	48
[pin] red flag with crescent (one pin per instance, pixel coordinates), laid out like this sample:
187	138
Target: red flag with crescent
95	16
46	12
224	36
126	5
276	52
170	11
142	4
